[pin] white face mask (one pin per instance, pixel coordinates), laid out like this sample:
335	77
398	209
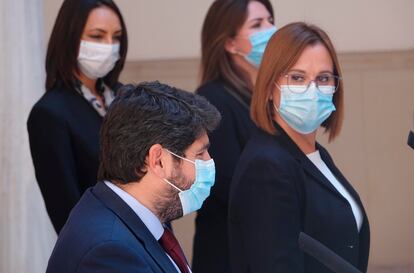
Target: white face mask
95	60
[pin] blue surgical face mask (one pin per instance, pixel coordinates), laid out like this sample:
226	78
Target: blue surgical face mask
259	42
192	199
305	111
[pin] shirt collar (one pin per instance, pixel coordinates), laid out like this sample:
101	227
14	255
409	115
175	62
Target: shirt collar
148	218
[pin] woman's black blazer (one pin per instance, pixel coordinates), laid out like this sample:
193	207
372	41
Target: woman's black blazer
278	192
210	249
64	142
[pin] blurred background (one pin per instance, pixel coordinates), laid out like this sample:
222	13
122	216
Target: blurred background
375	41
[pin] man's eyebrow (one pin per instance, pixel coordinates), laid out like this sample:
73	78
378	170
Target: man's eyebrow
205	147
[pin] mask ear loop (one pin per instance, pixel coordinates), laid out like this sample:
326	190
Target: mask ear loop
236	52
172	185
273	102
183	158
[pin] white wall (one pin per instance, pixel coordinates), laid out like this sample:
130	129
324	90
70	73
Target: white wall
171	29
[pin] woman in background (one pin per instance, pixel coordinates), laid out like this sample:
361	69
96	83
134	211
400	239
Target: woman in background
285	182
85	55
233	39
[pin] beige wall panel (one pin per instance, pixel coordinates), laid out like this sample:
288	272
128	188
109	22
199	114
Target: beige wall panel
389	104
184	230
181	73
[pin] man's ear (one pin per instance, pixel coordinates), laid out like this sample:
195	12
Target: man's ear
156	160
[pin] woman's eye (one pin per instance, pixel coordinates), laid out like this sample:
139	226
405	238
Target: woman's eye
271	20
323	78
297	78
95	36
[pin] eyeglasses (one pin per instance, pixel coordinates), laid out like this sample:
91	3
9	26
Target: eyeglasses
299	83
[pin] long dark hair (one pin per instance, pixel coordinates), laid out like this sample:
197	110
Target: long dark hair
223	20
62	51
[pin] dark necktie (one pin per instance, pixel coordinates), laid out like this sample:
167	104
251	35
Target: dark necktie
172	247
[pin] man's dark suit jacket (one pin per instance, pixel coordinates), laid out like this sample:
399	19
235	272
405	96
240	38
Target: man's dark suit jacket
278	192
103	234
64	142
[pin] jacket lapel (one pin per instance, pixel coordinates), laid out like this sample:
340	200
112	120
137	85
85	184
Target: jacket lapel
307	165
134	223
311	169
337	173
364	233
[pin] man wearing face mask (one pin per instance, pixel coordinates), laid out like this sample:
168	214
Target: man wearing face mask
154	168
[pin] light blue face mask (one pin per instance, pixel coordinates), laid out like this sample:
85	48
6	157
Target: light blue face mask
259	42
192	199
306	111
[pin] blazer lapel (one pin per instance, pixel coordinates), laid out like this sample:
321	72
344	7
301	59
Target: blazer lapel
304	161
311	169
134	223
365	229
329	162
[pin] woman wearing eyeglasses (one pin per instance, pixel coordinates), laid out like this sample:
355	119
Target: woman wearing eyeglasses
286	182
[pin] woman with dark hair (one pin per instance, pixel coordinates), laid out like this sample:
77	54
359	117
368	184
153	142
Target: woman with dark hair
285	182
85	55
233	39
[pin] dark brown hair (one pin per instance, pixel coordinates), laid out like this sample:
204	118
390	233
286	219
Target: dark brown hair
223	20
147	114
282	52
63	48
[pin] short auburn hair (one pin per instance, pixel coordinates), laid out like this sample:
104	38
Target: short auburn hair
282	52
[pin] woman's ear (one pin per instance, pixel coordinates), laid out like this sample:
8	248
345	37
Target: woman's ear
156	160
230	46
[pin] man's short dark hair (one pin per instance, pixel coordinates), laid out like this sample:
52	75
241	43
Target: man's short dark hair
147	114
